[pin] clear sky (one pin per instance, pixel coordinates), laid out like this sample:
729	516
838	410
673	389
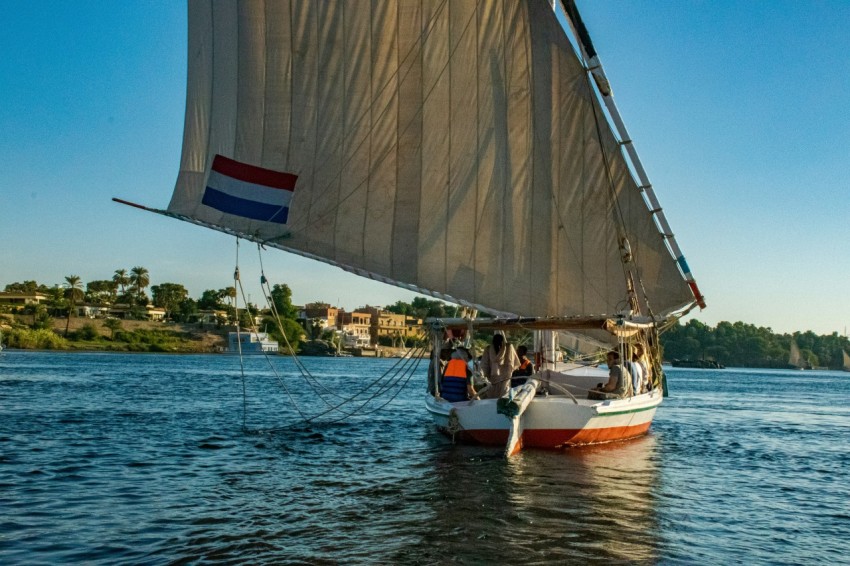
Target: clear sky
740	111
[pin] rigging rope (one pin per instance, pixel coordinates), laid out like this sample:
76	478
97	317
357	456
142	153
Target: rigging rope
398	375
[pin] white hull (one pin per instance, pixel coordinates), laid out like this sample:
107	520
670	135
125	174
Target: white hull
552	421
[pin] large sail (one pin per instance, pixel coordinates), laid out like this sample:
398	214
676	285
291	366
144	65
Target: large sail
455	147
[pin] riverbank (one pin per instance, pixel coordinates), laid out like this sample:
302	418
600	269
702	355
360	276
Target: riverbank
95	335
102	335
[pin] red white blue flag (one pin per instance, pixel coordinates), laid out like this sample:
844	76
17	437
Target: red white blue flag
249	191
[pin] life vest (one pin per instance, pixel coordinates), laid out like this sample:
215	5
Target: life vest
456	368
524	365
453	384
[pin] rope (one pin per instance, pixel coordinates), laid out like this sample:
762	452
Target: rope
398	375
239	346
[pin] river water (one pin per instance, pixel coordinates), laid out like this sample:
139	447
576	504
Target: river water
143	459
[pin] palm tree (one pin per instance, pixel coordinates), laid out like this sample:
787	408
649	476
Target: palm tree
112	324
120	278
74	291
140	279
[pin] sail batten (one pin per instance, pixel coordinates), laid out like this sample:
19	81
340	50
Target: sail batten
451	147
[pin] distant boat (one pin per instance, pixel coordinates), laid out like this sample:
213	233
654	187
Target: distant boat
1	344
795	359
250	343
846	366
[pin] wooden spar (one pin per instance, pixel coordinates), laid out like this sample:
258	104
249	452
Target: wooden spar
613	325
274	243
513	404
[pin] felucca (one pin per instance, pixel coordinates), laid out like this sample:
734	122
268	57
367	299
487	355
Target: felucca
455	148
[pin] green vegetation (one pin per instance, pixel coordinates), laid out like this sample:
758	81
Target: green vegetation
198	326
745	345
424	308
34	339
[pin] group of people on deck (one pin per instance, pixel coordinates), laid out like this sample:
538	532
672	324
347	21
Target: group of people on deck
501	363
506	367
624	379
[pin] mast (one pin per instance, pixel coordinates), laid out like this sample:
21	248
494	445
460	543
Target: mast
594	67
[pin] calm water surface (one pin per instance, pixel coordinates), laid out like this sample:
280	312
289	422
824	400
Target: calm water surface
142	459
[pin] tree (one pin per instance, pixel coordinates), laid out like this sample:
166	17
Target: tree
210	300
282	300
400	307
56	302
74	292
292	331
112	324
140	279
101	291
26	287
41	320
187	308
169	296
121	279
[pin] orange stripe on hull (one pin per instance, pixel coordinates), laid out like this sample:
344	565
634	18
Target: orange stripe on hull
554	438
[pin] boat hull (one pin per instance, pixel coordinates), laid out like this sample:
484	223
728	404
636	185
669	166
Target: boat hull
549	422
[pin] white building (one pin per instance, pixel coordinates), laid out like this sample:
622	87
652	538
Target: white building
251	343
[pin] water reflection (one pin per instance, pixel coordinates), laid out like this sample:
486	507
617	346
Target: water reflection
585	504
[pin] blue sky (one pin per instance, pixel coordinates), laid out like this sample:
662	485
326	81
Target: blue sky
740	111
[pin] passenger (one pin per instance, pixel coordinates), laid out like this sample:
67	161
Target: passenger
619	380
521	374
456	384
498	362
640	373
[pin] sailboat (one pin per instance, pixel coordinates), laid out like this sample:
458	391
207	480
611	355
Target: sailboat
846	364
795	358
464	150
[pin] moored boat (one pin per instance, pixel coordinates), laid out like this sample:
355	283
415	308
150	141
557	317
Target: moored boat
251	343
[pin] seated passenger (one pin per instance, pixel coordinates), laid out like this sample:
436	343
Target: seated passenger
619	380
521	374
455	385
640	373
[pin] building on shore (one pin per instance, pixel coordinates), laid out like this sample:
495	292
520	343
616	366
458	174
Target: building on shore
15	299
251	343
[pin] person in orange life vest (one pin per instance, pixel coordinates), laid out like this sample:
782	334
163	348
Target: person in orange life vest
456	384
525	369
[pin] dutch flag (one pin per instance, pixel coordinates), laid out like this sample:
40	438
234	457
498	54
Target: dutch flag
249	191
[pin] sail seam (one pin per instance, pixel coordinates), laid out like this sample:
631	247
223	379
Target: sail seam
449	160
477	146
347	160
368	179
342	143
318	62
291	82
211	87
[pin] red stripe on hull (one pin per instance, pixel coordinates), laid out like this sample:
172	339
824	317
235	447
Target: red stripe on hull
555	438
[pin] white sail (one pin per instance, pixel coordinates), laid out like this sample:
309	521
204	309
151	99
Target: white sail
450	146
795	358
846	360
